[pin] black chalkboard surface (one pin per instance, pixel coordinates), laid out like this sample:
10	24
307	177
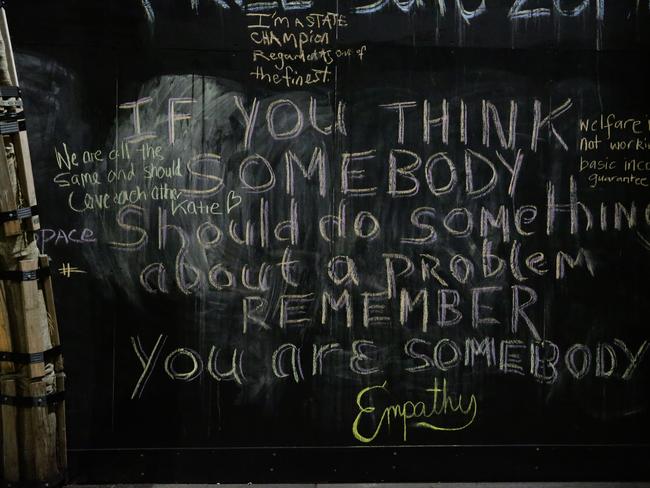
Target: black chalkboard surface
303	240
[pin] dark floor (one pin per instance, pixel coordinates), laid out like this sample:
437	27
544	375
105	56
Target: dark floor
396	485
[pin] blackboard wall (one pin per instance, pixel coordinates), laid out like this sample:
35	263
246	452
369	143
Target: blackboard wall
351	241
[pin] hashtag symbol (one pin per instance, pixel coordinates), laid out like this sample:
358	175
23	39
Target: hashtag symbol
67	270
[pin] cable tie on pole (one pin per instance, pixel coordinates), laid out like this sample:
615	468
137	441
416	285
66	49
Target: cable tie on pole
10	91
33	401
20	276
12	123
30	358
18	214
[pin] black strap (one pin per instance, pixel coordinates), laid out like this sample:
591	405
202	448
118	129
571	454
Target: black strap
11	123
30	358
35	401
18	214
9	91
20	276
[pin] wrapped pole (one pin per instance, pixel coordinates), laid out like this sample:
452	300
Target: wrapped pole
31	366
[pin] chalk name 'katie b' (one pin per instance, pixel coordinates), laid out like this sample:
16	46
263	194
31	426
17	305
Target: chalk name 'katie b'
442	412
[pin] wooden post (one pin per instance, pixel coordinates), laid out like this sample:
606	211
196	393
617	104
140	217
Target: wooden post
33	430
61	442
31	332
10	462
48	292
61	439
7	194
8	420
23	168
25	176
37	436
9	74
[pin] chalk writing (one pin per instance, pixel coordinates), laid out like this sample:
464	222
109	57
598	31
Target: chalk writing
297	51
67	270
625	144
400	232
430	414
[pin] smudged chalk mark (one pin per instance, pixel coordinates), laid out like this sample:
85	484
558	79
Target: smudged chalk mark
148	9
644	241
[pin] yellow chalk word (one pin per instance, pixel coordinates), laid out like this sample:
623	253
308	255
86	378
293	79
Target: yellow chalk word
451	414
